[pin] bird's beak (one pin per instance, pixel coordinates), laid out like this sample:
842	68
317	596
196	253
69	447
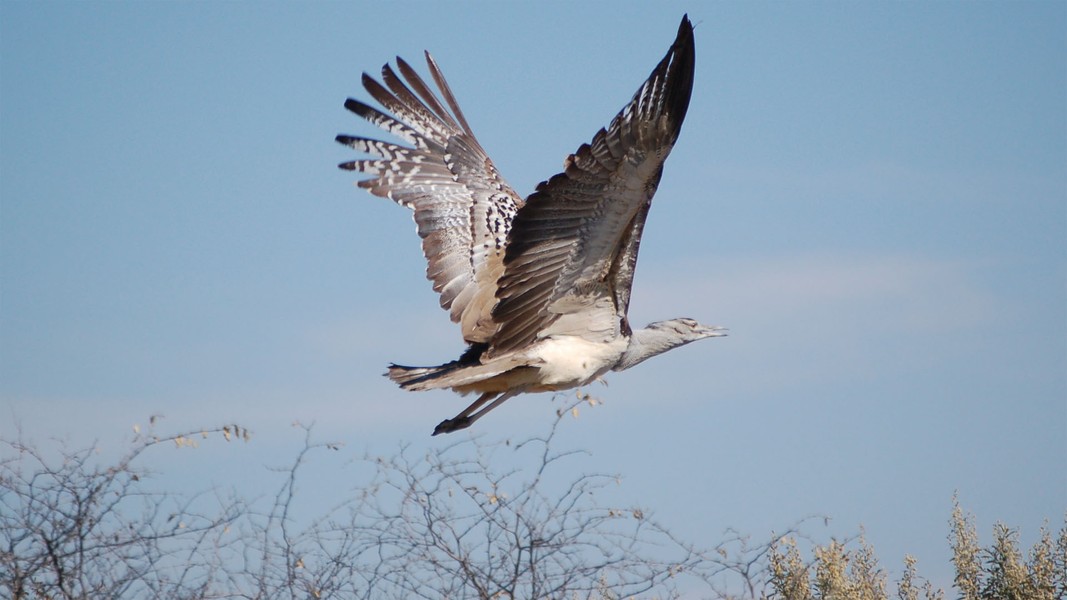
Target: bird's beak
712	331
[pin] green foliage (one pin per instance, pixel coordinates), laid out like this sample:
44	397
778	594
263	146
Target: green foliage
998	572
836	572
1001	572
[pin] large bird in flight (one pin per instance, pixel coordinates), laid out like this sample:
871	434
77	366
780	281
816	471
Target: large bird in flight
541	286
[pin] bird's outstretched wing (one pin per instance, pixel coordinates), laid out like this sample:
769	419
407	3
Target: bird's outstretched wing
571	253
463	207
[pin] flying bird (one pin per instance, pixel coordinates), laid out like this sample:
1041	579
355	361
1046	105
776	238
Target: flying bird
540	287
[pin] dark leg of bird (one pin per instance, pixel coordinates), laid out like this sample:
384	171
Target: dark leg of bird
465	419
461	421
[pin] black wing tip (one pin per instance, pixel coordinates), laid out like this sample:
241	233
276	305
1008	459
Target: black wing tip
346	140
684	46
681	64
685	28
354	105
403	64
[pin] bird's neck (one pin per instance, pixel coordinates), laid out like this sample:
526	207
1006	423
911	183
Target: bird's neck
646	343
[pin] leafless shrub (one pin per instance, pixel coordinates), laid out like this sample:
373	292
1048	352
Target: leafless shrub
453	523
70	528
473	519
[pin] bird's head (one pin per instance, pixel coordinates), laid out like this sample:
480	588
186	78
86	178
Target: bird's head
686	330
661	336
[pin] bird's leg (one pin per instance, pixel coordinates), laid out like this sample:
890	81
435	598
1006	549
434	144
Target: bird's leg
467	418
462	420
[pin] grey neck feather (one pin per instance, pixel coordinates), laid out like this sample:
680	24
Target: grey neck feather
662	336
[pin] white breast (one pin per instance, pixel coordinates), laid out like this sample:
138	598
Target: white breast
570	361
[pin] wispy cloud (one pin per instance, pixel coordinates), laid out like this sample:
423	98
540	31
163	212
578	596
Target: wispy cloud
883	291
822	319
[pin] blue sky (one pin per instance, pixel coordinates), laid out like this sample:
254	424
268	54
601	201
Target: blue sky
872	197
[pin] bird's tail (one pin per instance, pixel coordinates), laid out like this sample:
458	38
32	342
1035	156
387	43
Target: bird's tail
428	378
467	371
418	378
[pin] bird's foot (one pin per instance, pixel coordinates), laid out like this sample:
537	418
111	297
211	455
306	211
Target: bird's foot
450	425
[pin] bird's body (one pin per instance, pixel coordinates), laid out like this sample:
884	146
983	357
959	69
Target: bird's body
541	286
558	363
549	365
572	361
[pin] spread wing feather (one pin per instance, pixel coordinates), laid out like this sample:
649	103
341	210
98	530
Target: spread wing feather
463	208
572	249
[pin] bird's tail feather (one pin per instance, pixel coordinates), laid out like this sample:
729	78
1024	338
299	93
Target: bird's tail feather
456	374
412	377
423	378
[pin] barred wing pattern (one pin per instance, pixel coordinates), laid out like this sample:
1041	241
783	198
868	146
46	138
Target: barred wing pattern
571	253
463	208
